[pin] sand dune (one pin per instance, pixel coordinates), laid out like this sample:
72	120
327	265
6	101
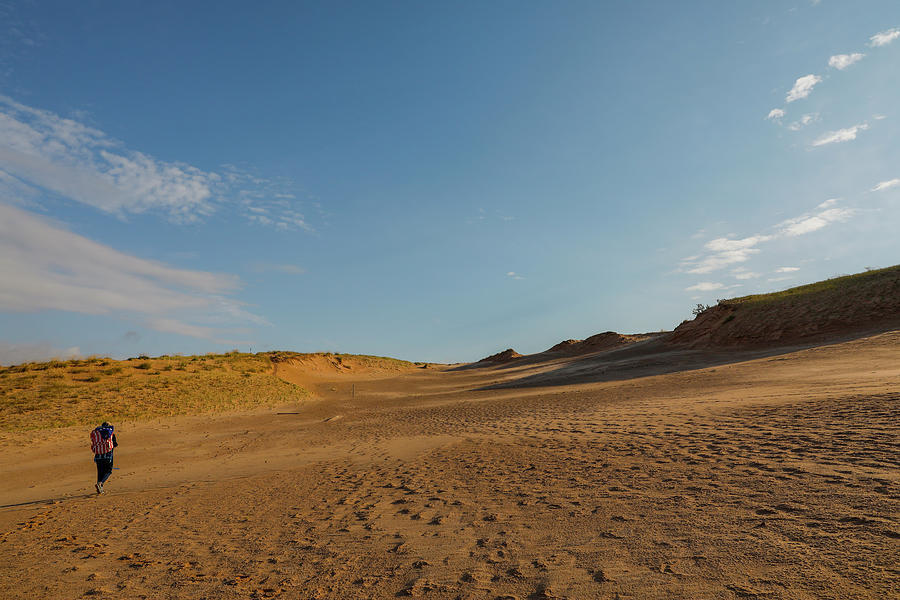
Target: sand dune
764	476
848	306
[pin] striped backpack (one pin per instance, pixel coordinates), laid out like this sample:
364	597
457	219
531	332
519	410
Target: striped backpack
101	440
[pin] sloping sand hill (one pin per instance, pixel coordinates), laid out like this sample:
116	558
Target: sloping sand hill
845	306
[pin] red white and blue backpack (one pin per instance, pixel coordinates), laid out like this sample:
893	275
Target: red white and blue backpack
102	440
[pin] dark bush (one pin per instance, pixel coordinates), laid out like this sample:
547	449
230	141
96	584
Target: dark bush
700	309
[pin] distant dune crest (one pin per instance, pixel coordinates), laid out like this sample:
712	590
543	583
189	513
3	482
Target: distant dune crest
501	357
602	341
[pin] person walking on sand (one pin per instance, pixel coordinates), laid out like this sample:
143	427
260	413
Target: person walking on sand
103	441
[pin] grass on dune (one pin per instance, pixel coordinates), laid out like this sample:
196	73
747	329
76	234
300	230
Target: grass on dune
82	392
365	361
829	286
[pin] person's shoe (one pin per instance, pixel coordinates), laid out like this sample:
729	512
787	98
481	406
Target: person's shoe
99	487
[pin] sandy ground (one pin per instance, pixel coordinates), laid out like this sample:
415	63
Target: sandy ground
764	476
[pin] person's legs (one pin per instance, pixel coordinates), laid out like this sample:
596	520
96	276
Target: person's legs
107	470
101	467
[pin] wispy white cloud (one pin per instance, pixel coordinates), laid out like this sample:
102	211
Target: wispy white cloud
803	121
883	38
743	273
42	152
722	252
884	185
730	245
726	251
787	269
705	286
264	201
814	222
79	162
46	267
803	87
775	114
841	135
842	61
514	275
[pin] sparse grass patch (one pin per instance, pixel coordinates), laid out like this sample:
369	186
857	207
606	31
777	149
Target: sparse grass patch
42	398
363	360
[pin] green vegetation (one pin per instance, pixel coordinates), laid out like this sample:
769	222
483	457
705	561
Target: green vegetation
84	392
836	284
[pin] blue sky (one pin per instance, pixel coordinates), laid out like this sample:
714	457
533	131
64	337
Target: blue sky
432	181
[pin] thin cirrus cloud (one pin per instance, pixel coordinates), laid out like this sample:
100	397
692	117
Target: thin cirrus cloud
46	267
803	87
884	185
814	222
803	121
883	38
842	61
42	152
841	135
723	252
705	286
743	273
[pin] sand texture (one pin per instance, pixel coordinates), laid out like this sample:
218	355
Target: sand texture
640	471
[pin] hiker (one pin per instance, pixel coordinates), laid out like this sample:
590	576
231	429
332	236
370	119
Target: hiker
103	440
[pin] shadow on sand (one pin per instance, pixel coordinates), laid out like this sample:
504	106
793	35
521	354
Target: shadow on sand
641	359
46	501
